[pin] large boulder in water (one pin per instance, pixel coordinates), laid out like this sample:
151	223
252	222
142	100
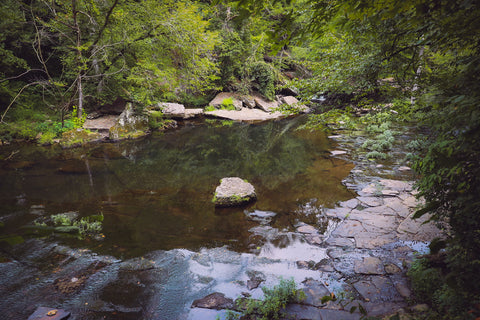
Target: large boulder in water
233	191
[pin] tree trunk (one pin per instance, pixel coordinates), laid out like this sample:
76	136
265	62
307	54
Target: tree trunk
417	76
79	59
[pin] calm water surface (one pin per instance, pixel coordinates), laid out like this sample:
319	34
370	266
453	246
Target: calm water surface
156	193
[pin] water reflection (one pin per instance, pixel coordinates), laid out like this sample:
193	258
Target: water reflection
156	193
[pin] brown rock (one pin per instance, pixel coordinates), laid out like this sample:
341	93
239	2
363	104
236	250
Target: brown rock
215	301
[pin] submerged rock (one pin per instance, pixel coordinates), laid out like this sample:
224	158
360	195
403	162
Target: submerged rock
44	313
233	191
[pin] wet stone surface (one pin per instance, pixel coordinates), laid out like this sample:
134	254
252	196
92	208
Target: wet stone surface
359	257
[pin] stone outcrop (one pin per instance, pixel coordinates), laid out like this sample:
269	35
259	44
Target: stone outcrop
245	115
218	101
129	125
233	191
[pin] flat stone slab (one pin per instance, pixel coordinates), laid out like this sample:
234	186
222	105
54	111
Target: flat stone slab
265	105
304	312
314	292
192	113
377	289
369	265
338	152
245	114
307	229
233	191
45	313
418	229
102	123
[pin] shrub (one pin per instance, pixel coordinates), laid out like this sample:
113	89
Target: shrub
276	299
264	76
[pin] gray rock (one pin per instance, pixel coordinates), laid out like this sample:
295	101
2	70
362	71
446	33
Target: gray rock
397	206
418	229
253	283
215	301
340	213
172	110
314	292
371	201
371	240
377	289
299	311
338	152
352	203
267	106
248	102
233	191
307	229
396	185
192	113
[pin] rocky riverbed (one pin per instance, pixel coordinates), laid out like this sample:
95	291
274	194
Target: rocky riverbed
359	250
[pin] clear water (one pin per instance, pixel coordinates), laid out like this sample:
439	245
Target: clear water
155	193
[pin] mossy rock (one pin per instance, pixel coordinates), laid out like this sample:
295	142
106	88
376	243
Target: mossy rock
129	125
233	191
78	137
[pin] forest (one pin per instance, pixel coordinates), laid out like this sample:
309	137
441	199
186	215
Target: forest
61	60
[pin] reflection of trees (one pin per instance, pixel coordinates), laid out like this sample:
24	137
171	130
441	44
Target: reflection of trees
205	153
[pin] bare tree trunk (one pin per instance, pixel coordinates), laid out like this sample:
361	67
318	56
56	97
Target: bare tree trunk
79	59
417	76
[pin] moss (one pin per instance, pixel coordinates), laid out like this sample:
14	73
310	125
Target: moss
78	137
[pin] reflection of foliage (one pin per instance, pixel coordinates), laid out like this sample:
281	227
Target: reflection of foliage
270	151
67	223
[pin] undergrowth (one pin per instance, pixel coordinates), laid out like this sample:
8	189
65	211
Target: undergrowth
272	306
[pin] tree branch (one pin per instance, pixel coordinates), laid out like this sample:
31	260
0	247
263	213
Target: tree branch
107	18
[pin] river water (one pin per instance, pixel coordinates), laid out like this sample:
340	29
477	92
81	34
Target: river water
155	193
